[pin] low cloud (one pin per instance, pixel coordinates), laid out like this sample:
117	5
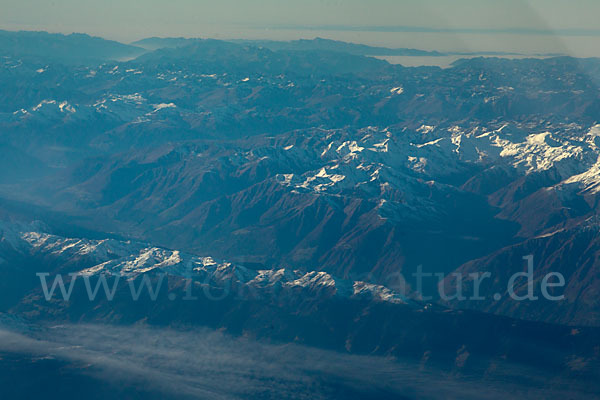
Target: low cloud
210	365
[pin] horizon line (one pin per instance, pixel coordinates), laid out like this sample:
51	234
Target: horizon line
424	29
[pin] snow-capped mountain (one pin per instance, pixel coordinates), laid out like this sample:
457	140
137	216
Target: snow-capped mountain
304	160
127	259
283	305
291	192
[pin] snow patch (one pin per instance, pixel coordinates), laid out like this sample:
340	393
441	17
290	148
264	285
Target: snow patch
425	129
162	106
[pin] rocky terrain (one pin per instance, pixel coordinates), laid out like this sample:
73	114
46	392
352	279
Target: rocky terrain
303	184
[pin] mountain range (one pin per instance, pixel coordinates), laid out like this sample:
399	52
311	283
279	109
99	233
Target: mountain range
314	179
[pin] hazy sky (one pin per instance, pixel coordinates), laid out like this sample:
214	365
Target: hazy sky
574	22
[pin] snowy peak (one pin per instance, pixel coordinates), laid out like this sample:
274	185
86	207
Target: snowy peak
131	259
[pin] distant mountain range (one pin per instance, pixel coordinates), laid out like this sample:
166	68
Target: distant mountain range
294	45
71	49
84	49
